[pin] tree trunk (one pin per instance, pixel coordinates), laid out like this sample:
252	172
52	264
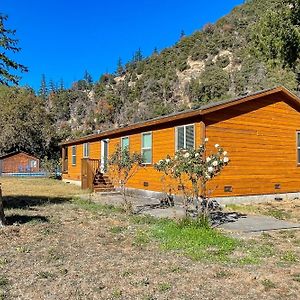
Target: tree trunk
2	216
196	196
127	203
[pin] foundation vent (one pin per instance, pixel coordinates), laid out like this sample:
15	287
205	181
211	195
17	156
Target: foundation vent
227	188
277	186
146	183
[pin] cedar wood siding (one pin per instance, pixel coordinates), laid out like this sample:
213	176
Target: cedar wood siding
260	137
163	143
15	162
74	172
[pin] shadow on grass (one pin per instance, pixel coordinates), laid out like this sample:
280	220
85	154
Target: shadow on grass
22	219
25	202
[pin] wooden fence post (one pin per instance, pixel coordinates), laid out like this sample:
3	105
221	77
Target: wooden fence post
2	216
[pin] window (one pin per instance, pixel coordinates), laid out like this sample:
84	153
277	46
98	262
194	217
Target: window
73	155
147	147
86	150
125	142
33	164
298	147
185	137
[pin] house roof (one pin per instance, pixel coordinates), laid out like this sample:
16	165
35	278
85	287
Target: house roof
14	153
202	110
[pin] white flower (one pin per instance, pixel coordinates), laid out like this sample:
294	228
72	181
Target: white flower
214	163
208	159
210	169
225	153
217	145
206	139
226	159
197	154
167	160
207	175
186	155
175	157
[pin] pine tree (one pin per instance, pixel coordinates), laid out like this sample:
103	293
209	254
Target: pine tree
138	56
120	68
182	34
88	78
52	86
155	51
43	91
61	85
8	44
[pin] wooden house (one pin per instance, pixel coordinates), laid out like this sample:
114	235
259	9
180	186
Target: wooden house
18	162
260	132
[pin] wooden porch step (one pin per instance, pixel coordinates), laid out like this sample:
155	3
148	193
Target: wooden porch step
103	189
102	182
103	186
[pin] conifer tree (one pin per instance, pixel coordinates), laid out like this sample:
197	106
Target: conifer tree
88	78
138	56
8	44
120	68
61	85
43	91
182	34
52	86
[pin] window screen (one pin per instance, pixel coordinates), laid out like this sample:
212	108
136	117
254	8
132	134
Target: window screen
185	137
86	150
147	147
125	143
73	155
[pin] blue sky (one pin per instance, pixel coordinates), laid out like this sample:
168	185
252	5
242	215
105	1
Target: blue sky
63	38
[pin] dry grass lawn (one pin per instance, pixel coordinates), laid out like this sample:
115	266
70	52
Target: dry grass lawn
283	210
63	248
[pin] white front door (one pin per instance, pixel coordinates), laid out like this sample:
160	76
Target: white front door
104	155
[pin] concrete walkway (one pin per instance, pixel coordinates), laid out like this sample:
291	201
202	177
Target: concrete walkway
241	224
258	224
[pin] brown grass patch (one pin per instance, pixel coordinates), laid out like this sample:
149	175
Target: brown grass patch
81	252
283	210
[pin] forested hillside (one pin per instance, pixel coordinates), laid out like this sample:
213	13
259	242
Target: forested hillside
256	46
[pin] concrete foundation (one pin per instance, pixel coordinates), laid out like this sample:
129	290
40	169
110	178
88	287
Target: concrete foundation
222	200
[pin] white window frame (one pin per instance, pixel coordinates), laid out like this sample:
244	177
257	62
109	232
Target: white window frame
73	155
147	148
33	163
297	146
123	138
86	150
184	134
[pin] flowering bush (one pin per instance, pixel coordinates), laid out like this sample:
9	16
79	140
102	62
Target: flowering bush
194	168
122	166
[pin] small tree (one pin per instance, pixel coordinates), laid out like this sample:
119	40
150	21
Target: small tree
192	169
2	216
122	166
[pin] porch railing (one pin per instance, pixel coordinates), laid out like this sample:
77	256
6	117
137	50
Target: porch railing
89	169
65	165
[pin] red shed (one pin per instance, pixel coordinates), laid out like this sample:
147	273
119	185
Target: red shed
19	162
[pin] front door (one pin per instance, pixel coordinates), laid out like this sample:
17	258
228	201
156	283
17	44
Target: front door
104	155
